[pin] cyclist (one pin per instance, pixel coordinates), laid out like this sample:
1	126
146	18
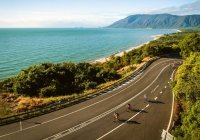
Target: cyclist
145	97
128	107
116	116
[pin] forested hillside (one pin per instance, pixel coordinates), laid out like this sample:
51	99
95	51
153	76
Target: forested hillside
157	21
187	90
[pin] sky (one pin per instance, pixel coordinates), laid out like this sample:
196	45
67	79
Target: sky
85	13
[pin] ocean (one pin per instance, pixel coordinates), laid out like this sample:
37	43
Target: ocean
21	48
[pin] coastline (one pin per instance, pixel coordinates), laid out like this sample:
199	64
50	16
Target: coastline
67	50
120	54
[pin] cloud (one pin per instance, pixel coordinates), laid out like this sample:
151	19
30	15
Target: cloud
187	9
53	19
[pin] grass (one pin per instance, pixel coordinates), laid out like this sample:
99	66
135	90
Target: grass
26	103
5	110
6	104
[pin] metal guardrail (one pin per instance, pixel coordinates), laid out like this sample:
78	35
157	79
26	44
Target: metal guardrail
71	101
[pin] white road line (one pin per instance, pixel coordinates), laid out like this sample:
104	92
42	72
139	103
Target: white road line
172	75
155	98
103	114
155	89
85	106
57	135
122	123
172	110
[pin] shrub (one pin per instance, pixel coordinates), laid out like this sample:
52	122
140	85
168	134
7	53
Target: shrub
90	85
47	91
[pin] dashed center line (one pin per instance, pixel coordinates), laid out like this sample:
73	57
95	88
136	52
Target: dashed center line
155	89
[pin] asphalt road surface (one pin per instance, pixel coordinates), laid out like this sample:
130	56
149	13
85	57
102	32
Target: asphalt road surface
93	119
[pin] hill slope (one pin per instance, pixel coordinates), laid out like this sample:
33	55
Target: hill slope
158	21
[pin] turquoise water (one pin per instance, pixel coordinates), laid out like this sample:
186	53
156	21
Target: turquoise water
20	48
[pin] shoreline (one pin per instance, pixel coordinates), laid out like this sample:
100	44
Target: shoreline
121	53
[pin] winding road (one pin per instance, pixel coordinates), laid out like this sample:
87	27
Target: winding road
93	119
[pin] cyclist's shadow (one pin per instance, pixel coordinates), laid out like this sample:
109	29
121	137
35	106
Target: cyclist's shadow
128	121
138	110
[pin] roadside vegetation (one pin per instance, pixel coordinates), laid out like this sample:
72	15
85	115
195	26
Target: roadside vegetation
186	88
47	79
46	83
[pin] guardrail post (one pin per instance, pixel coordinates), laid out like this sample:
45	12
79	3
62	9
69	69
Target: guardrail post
20	125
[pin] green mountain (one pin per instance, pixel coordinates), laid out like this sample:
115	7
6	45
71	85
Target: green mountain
158	21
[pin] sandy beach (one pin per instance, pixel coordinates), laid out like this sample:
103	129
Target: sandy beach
102	60
155	37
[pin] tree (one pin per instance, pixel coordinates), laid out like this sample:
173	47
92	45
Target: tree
187	91
191	43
